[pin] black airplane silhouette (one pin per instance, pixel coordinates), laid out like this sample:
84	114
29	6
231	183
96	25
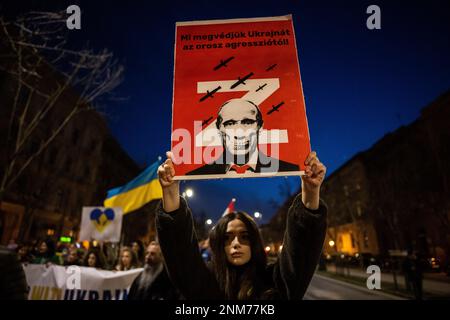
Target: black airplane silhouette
275	108
223	63
205	122
271	67
241	80
261	87
210	93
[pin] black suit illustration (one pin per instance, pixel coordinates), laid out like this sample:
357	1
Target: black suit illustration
265	164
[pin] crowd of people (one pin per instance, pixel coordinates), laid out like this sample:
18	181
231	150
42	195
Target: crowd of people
107	256
100	255
152	283
231	265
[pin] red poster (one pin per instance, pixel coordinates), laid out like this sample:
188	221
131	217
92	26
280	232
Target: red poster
238	107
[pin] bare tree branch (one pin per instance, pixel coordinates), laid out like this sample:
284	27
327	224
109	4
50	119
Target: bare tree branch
41	64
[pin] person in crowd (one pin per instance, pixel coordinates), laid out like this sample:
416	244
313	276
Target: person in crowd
24	254
94	258
12	245
153	283
138	248
46	253
127	260
238	267
111	253
413	270
73	257
13	284
205	250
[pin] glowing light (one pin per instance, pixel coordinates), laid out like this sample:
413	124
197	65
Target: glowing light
331	243
65	239
267	249
209	221
257	215
189	193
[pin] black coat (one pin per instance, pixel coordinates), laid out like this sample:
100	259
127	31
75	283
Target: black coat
160	289
290	275
13	285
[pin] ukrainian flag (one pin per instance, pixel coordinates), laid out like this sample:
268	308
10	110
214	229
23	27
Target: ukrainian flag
136	193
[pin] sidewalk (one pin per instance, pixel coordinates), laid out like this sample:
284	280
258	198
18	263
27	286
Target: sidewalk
434	284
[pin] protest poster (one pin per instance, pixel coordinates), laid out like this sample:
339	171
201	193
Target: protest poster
77	283
238	107
101	224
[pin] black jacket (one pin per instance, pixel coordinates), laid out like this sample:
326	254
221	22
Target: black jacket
159	289
289	276
13	285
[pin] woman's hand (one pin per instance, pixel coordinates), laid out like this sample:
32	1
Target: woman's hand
170	187
312	180
166	172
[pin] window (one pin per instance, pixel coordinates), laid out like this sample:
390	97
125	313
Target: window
358	208
346	190
366	239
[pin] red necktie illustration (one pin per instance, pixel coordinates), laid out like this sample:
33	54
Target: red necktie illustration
240	169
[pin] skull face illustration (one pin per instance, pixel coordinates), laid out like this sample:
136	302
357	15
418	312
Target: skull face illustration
239	122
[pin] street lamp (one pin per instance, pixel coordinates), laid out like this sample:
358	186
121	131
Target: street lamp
257	215
189	193
331	243
209	222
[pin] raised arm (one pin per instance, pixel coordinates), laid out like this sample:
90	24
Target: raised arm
170	187
179	243
304	235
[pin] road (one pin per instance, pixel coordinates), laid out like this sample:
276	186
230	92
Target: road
324	288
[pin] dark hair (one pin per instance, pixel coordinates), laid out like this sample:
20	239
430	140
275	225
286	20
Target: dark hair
50	247
242	282
259	118
99	258
141	250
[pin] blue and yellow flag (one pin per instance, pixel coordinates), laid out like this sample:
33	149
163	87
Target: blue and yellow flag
137	192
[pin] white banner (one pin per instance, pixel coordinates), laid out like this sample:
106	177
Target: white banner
77	283
102	224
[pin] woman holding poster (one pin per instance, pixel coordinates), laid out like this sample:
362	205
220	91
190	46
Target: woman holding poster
238	268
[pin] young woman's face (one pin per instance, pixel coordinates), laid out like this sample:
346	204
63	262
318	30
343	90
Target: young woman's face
91	260
126	259
237	243
22	252
73	256
43	248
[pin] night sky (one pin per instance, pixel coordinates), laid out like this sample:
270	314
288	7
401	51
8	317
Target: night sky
359	84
